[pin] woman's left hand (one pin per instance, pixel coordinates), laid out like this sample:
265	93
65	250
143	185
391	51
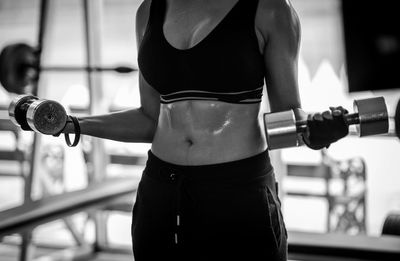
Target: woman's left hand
326	128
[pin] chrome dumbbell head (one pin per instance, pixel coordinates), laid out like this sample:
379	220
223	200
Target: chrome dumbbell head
281	129
373	116
46	116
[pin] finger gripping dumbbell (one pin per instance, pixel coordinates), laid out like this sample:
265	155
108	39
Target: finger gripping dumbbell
43	116
370	117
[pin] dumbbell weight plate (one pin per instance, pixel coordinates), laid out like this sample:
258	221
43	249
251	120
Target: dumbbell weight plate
281	129
373	116
18	109
46	116
15	62
391	225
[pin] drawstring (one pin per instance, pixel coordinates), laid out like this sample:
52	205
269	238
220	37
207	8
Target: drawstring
178	179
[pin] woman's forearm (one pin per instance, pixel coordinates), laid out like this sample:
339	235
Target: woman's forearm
127	126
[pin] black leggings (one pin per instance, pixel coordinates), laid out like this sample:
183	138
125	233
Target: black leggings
227	211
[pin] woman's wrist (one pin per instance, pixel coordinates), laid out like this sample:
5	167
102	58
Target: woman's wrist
69	127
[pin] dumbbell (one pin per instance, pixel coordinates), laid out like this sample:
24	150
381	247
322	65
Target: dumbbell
43	116
370	117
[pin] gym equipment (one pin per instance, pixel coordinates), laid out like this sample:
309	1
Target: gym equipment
43	116
32	113
19	67
16	61
47	117
391	226
370	115
18	109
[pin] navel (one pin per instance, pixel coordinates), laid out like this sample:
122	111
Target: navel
189	141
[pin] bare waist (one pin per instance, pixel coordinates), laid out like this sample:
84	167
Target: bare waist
200	133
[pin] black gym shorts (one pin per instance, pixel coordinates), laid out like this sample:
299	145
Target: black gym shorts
227	211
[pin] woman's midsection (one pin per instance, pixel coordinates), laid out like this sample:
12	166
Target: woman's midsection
207	132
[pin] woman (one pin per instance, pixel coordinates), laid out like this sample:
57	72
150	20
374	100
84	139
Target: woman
208	191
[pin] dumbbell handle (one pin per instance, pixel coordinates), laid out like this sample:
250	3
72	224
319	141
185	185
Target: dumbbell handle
353	118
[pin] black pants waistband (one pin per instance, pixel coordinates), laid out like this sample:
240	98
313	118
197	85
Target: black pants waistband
239	170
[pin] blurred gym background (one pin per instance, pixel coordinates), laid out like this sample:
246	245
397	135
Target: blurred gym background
60	203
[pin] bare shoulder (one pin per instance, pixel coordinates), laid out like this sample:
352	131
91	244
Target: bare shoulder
277	16
142	17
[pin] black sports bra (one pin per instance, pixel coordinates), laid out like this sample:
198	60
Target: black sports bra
225	66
